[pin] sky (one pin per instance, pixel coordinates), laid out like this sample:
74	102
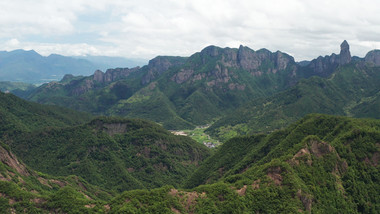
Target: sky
144	29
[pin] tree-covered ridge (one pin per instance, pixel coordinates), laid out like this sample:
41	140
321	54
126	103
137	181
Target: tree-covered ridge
321	164
117	154
19	89
23	190
352	90
18	115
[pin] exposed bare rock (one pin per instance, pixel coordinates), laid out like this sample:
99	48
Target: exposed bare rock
373	57
252	60
242	191
256	184
345	55
229	58
319	148
305	199
248	59
274	173
211	51
282	60
159	65
182	76
112	75
62	184
302	154
87	85
10	159
99	76
89	206
324	66
44	182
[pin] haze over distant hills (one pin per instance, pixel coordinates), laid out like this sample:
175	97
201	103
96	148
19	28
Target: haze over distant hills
106	62
31	67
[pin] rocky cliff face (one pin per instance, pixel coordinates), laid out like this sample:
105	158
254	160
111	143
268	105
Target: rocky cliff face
228	59
246	58
345	55
159	65
10	159
324	66
373	57
112	75
250	60
81	86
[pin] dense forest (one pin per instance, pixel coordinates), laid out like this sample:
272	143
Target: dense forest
294	137
322	163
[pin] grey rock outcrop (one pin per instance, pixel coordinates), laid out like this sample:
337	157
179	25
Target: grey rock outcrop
373	57
345	55
251	60
112	75
324	66
211	51
99	76
159	65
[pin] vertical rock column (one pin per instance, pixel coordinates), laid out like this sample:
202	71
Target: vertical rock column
345	55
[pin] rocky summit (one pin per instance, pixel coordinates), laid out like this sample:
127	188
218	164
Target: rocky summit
345	55
373	57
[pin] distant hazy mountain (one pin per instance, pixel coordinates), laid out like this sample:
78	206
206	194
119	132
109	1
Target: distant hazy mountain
31	67
106	62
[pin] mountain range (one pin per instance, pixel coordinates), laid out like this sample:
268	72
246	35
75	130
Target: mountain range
276	157
31	67
352	90
184	92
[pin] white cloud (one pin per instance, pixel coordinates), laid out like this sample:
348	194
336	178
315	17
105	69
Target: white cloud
146	28
12	43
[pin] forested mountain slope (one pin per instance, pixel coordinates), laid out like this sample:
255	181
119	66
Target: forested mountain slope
321	164
352	90
179	92
18	115
116	154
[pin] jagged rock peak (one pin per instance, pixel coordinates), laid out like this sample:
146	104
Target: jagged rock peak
345	55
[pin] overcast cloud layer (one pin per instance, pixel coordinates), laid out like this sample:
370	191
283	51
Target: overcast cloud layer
147	28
